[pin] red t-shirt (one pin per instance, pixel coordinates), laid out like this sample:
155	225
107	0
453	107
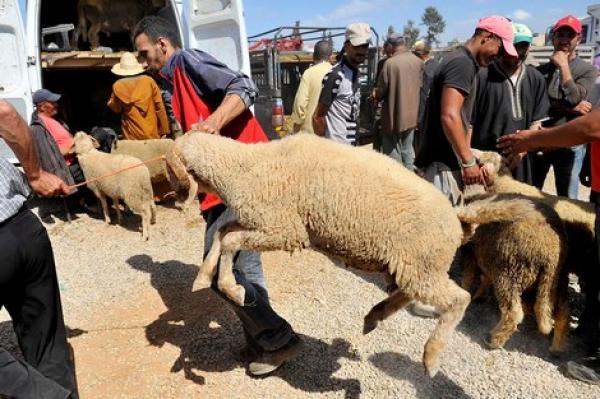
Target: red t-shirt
596	166
63	138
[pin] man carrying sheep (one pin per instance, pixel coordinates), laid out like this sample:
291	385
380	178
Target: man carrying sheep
210	98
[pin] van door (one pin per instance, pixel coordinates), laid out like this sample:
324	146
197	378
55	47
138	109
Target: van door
14	80
217	27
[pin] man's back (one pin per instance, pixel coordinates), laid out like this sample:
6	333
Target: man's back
307	96
401	80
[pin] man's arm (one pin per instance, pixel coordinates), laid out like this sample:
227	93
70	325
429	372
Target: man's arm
300	104
17	135
575	90
452	102
319	122
578	131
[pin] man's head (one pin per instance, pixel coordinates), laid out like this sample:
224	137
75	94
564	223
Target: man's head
566	34
46	102
522	41
156	39
358	39
388	50
421	49
491	35
322	51
395	41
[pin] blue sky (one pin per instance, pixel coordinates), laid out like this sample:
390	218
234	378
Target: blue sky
461	16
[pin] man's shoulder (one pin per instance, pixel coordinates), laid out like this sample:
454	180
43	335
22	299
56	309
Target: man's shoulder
533	72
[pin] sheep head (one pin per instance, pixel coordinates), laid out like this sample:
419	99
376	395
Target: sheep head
179	175
492	162
84	143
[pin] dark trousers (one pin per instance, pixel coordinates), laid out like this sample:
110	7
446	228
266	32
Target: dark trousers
262	326
562	161
29	291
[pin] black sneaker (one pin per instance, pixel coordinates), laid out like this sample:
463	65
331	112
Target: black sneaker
268	362
586	370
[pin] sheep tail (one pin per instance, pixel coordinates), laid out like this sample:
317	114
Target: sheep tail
543	307
492	209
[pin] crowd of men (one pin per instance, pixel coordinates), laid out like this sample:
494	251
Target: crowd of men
471	97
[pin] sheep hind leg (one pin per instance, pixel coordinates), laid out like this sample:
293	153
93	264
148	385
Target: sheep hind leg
118	209
562	317
511	315
451	301
385	309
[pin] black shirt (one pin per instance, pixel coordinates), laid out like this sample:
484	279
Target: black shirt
502	107
457	70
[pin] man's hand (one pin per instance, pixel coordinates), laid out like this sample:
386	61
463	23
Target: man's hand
584	107
48	185
474	175
560	59
514	144
206	126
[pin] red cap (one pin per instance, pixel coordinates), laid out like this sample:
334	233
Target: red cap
502	28
570	22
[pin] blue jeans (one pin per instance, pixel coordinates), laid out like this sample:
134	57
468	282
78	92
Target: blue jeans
562	161
400	147
262	326
579	151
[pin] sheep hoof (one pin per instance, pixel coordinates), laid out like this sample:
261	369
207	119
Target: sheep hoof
201	283
237	294
432	370
556	352
493	343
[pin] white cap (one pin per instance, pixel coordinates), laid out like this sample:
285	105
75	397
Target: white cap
358	34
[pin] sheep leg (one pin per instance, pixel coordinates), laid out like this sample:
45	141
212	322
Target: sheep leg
384	309
118	209
469	272
209	266
451	301
561	317
104	205
511	315
484	285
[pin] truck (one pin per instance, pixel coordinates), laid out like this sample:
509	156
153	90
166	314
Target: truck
36	52
279	57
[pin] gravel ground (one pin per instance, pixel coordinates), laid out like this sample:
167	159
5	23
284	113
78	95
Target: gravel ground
138	331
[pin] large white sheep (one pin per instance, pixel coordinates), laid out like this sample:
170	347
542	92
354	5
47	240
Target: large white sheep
347	202
132	186
146	150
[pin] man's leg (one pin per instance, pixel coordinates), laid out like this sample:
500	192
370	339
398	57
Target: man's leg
33	299
579	154
262	326
20	380
540	165
390	146
588	369
407	150
562	161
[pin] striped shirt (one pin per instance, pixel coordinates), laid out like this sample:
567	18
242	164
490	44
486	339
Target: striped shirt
14	190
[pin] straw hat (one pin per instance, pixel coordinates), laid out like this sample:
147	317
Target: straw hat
128	66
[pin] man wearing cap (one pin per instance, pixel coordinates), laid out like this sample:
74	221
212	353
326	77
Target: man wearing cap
210	98
138	99
309	89
444	156
398	86
337	114
510	96
570	82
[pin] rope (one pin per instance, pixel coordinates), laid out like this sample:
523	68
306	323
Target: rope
116	172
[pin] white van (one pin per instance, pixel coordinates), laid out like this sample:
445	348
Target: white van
82	77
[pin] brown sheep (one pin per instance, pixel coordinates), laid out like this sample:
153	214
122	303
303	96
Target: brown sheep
517	256
350	203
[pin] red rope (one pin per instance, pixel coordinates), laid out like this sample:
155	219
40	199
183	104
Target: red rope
116	172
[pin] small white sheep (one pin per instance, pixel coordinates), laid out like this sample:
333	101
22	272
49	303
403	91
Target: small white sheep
347	202
132	186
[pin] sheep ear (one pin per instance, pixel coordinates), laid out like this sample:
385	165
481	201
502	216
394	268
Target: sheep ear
95	142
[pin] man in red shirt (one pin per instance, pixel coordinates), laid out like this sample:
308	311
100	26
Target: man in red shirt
210	98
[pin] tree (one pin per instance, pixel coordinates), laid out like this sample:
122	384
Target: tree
410	33
435	24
